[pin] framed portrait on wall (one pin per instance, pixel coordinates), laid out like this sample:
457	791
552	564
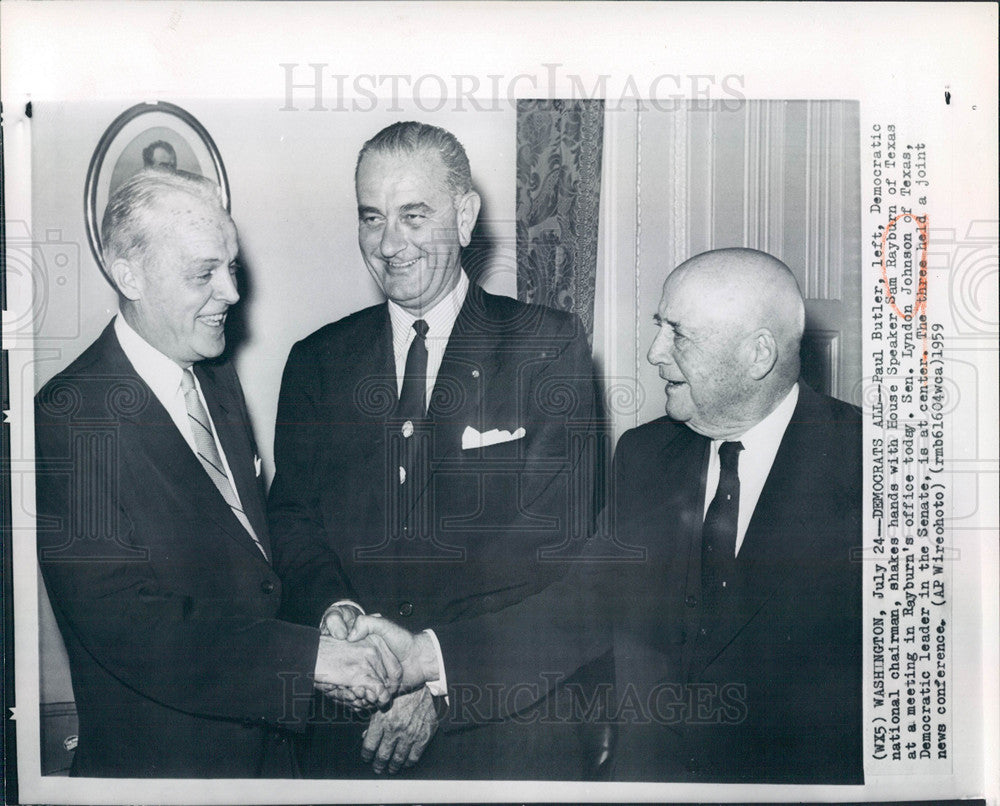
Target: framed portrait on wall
147	135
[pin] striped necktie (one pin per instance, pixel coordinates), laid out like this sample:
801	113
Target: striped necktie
208	453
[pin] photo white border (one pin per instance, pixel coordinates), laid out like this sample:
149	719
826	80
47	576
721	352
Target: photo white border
897	58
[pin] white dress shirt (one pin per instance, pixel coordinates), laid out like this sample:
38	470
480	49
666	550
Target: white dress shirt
440	320
163	377
760	446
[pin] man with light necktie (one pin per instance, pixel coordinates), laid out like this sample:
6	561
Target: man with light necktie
439	453
152	534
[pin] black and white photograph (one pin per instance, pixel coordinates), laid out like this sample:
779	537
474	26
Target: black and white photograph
545	432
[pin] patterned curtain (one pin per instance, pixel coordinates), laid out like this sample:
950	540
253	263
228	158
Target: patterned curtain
559	145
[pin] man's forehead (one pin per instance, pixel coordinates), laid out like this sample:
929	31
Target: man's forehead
194	226
686	298
183	207
423	168
673	288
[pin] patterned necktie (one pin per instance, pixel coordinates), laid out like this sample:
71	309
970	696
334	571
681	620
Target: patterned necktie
718	536
208	453
413	397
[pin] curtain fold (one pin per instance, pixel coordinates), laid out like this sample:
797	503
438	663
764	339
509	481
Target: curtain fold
559	145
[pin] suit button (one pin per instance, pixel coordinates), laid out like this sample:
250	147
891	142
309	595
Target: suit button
267	586
691	601
406	608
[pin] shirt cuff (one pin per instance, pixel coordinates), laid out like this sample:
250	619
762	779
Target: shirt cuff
439	687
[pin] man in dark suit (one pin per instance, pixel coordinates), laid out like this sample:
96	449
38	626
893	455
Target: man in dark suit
435	463
734	605
741	631
152	534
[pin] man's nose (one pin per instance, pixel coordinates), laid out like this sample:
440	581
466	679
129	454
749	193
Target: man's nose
660	351
392	242
224	286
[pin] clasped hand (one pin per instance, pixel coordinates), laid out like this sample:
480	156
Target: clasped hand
365	660
396	736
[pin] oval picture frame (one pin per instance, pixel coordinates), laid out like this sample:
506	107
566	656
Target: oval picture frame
147	134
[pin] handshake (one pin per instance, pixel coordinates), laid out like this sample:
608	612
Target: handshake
364	661
368	662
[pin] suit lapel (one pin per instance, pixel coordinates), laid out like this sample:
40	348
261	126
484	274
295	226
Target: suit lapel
469	360
149	435
684	469
374	388
237	444
374	355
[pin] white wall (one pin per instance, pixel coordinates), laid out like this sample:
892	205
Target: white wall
780	176
291	178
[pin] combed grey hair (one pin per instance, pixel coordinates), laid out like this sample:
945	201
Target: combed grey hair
131	214
409	137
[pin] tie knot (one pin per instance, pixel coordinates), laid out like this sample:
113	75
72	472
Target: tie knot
187	381
729	454
421	327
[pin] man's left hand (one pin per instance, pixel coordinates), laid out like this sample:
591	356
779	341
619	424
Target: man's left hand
396	737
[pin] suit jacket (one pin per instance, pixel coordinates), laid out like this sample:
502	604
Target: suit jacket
467	532
773	692
166	606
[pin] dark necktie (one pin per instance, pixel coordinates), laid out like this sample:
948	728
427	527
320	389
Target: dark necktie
718	536
413	397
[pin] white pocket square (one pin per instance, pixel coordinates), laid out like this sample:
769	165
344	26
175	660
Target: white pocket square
471	438
256	466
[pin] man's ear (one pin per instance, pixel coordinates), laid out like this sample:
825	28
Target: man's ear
126	279
468	211
763	353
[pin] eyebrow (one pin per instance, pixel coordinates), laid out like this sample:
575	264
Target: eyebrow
412	207
416	207
207	263
661	321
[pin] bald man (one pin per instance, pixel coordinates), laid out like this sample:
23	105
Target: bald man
733	608
738	639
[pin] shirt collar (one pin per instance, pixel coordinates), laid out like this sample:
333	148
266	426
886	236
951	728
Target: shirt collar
769	431
160	373
440	319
